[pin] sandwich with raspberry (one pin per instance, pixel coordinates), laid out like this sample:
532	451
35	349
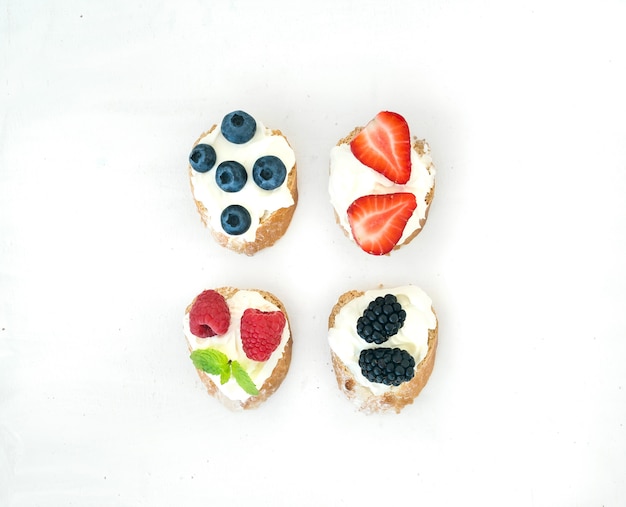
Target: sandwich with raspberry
240	344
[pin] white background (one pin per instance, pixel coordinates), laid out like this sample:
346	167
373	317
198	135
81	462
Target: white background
101	249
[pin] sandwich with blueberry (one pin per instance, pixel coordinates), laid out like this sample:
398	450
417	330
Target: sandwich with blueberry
243	181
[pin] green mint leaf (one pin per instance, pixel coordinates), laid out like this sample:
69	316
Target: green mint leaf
243	379
225	375
210	360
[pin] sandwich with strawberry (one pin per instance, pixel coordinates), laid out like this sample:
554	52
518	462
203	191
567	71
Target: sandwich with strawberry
381	184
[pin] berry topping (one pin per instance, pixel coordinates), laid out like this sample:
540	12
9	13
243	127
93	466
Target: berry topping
387	366
231	176
235	220
209	315
202	158
378	221
238	127
261	333
269	172
382	318
384	144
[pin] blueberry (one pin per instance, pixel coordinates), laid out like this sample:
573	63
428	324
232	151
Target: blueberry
269	172
238	127
202	158
235	220
231	176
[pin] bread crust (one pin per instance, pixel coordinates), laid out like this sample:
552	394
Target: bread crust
279	373
272	226
398	396
421	147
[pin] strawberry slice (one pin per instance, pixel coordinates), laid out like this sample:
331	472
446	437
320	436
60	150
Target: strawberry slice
377	221
384	144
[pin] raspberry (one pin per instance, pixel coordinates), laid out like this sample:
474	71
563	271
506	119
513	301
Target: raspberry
382	318
387	366
209	315
261	333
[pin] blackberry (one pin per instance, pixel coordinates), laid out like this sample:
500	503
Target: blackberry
388	366
382	318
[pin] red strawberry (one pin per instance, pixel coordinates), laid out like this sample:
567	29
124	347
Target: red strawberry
209	315
385	146
377	221
261	333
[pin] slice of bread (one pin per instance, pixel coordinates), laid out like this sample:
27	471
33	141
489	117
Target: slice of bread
278	374
396	397
272	225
